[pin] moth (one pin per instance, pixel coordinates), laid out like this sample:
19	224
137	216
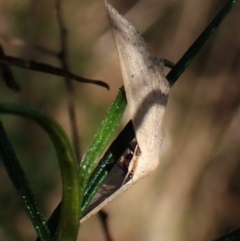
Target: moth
147	95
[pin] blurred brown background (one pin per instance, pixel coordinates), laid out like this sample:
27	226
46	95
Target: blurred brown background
195	194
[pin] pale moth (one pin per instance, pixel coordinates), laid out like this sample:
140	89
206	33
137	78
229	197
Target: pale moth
147	94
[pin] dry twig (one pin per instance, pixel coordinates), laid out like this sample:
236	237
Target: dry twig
46	68
62	56
7	74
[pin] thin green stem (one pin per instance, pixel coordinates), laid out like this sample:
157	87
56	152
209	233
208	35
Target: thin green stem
21	184
187	58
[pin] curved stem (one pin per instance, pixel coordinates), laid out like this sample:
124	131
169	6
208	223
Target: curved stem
70	210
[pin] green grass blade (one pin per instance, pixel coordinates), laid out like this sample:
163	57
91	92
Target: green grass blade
21	184
102	138
70	210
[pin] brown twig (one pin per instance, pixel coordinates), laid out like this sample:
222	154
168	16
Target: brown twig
62	56
103	218
46	68
7	74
